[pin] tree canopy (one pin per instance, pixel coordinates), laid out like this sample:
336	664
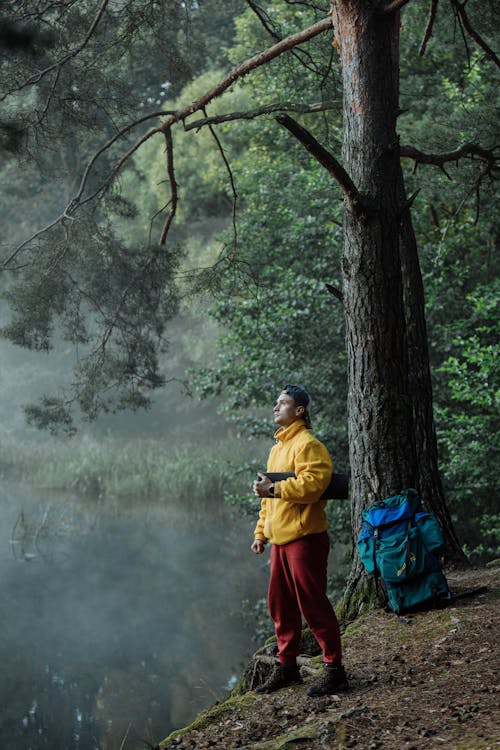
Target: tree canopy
119	108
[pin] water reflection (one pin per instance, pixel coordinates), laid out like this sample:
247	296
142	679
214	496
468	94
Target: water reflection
115	616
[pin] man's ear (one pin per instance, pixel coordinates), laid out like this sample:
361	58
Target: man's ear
299	410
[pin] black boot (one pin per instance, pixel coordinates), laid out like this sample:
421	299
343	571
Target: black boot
283	675
332	680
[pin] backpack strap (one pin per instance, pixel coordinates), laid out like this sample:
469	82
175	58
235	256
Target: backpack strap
408	550
376	571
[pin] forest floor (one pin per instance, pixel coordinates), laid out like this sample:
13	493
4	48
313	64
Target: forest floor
428	680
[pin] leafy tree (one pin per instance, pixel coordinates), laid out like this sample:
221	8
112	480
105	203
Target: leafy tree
85	72
392	439
471	418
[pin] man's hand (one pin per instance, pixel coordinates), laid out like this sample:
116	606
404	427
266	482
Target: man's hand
258	546
261	486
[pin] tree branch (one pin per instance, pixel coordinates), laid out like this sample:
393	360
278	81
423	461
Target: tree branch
325	158
439	160
394	6
428	29
459	8
76	201
233	186
179	115
265	110
173	186
335	291
263	18
266	22
249	65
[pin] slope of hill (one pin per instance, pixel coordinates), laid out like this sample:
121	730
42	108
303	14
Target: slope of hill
428	680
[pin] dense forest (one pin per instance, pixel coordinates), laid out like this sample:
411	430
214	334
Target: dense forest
121	232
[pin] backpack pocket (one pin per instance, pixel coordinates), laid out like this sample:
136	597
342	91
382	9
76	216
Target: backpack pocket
430	530
366	548
398	559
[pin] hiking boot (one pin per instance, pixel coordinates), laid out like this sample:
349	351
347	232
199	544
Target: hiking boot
282	676
332	680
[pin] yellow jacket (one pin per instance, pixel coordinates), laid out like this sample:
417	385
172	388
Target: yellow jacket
296	509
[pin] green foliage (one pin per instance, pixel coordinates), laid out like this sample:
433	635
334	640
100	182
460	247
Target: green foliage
51	414
467	424
134	55
278	321
99	290
473	373
66	92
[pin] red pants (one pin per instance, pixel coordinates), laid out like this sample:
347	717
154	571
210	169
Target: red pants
298	586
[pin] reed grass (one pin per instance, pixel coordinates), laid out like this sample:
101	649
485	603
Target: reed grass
137	467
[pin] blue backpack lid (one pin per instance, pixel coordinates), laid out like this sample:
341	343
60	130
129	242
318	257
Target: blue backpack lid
397	508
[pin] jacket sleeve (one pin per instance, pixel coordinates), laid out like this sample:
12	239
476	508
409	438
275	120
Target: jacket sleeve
259	529
313	471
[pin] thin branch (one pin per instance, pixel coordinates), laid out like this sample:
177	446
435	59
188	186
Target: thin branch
157	213
428	29
39	12
325	158
125	736
60	63
439	160
233	186
265	110
51	94
394	6
335	291
173	186
112	324
456	213
328	68
463	34
265	20
67	213
459	8
108	144
308	5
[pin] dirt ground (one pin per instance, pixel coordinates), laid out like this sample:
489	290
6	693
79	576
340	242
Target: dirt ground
429	680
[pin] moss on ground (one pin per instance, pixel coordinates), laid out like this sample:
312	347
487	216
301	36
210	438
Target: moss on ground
287	740
211	715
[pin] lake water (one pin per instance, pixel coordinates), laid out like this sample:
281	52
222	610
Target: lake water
117	617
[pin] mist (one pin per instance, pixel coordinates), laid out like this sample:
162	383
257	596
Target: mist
118	617
118	612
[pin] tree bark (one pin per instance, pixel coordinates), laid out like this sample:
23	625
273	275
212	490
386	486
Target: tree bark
383	457
429	481
391	432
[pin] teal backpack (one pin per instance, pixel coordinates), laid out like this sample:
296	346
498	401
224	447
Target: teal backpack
399	543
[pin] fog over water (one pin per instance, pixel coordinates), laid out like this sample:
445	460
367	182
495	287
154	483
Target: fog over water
115	615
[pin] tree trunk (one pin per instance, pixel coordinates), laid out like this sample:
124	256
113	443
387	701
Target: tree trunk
429	480
386	443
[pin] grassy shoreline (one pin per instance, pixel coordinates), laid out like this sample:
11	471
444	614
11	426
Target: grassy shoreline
117	467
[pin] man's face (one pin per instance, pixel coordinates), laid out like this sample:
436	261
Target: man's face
286	411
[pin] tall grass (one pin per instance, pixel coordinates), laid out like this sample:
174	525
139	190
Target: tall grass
139	467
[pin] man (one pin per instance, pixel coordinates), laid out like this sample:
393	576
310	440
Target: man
292	518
